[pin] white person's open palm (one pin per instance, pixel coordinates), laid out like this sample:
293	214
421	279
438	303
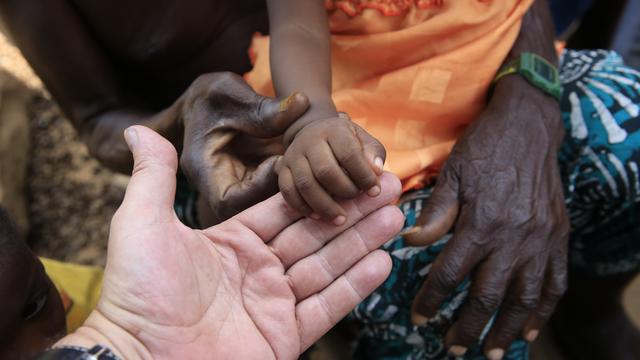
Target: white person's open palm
263	284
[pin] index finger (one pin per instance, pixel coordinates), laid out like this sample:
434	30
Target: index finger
348	150
308	236
268	218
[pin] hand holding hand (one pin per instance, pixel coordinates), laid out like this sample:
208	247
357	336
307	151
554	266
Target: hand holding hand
328	160
263	284
232	141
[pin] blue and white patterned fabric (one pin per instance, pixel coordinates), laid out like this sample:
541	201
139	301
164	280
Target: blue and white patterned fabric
599	161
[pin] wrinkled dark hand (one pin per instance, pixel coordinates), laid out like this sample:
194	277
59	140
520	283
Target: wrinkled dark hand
328	160
232	140
502	189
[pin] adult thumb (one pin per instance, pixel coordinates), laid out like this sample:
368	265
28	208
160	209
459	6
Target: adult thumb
272	116
151	190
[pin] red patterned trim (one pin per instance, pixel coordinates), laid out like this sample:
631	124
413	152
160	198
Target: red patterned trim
386	7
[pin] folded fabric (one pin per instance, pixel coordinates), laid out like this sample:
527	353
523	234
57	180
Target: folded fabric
413	73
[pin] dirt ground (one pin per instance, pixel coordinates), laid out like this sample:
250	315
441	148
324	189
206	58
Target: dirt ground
70	197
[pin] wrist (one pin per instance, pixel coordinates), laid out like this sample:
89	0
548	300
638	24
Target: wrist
515	95
97	329
317	112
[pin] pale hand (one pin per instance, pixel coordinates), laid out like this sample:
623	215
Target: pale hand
267	283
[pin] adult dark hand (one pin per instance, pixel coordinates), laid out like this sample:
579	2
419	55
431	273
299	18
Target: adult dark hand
265	284
231	141
501	187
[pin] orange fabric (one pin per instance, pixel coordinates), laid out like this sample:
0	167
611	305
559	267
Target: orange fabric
412	76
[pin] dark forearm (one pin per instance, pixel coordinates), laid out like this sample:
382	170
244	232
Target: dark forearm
536	36
301	55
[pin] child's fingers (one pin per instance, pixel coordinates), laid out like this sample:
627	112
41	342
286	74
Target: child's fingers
373	150
329	173
314	194
349	153
289	191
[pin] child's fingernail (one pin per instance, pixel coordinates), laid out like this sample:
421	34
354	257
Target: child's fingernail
339	220
131	137
495	354
285	103
532	335
457	350
378	163
374	191
315	216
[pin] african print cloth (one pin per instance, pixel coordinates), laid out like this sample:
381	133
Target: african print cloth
599	165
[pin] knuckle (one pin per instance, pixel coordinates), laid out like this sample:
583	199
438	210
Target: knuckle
443	278
304	183
484	303
324	172
349	156
526	303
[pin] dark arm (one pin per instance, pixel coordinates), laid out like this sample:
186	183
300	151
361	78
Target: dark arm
55	41
300	55
501	187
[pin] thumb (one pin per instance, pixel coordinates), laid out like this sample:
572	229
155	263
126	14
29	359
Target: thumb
272	117
439	214
151	190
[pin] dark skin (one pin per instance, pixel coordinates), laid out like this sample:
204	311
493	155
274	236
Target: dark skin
113	64
501	191
32	316
505	200
327	157
110	67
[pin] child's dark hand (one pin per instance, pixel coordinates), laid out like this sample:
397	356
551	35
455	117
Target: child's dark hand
328	159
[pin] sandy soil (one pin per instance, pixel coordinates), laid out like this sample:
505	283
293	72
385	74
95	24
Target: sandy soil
70	196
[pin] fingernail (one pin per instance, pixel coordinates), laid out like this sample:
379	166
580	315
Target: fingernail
315	216
284	104
411	231
457	350
532	335
374	191
495	354
131	137
339	220
419	320
378	163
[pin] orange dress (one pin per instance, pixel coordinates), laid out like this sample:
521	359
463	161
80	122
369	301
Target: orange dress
413	73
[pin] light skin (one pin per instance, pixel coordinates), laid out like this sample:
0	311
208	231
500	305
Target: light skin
266	283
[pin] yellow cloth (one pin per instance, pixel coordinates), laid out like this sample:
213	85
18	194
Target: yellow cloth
413	73
79	288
